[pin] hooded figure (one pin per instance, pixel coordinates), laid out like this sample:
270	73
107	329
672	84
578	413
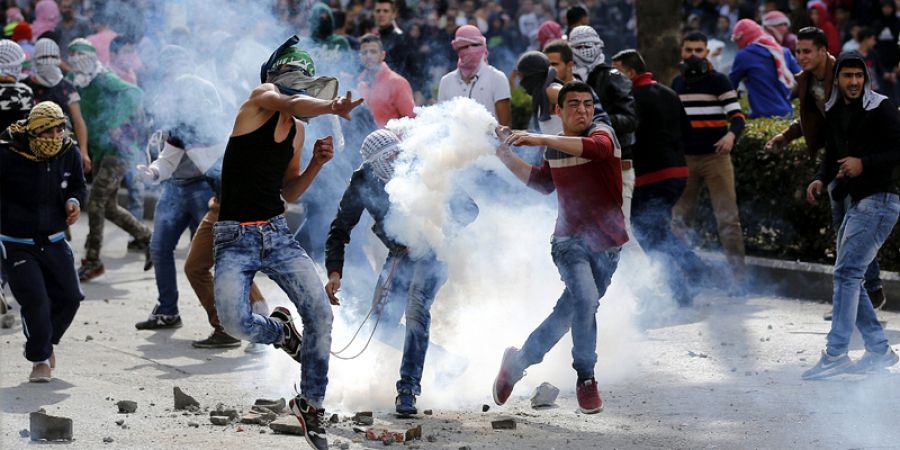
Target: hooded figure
46	63
537	76
43	116
818	16
587	47
747	32
548	31
321	29
84	61
779	27
46	17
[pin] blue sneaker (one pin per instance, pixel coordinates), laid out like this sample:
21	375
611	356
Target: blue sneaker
406	404
872	361
828	366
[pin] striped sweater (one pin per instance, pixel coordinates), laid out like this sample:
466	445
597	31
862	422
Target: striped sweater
711	104
589	189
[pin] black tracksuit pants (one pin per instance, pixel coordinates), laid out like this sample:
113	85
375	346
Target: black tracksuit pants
42	277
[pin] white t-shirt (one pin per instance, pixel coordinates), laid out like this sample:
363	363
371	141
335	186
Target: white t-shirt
487	87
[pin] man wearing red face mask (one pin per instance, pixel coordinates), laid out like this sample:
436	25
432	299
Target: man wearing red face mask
475	78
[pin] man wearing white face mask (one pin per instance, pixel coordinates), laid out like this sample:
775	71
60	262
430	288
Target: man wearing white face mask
47	84
614	90
475	78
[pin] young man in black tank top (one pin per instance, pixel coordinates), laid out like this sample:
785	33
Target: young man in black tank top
260	172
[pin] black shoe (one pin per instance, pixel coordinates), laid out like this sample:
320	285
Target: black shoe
90	270
148	261
827	316
137	245
312	420
406	404
293	340
159	321
217	340
878	298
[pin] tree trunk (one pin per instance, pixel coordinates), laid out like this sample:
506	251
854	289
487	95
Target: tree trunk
659	36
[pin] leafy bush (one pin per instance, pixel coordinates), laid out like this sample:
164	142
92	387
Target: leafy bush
771	192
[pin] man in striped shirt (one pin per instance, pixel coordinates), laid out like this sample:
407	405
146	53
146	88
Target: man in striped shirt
583	166
716	120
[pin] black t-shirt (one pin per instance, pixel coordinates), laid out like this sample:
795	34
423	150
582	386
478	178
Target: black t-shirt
63	94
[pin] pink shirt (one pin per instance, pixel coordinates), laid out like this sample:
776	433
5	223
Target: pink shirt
101	42
389	96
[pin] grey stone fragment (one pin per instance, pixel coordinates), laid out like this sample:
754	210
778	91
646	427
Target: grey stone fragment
259	419
485	408
230	414
544	395
219	420
364	418
428	412
127	406
334	418
184	401
276	406
7	321
24	433
287	425
193	424
49	428
107	440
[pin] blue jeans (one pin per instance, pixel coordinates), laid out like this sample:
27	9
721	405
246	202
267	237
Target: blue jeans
181	205
651	222
586	274
866	226
243	250
872	279
411	288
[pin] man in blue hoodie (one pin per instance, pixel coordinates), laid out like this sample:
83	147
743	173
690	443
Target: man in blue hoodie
862	156
766	69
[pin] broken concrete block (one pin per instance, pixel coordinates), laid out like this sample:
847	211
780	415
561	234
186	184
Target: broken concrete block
544	395
364	418
276	406
127	406
387	436
107	440
7	321
219	420
49	428
231	414
428	412
287	425
334	418
503	424
414	433
184	401
193	424
259	419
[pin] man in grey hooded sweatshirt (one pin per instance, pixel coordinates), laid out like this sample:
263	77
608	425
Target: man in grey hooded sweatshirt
862	152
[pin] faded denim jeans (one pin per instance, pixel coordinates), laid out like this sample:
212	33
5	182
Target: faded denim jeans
243	250
410	290
872	279
867	224
586	274
181	205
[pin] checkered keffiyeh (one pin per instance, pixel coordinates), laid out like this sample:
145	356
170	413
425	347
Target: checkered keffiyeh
376	151
46	48
11	58
587	48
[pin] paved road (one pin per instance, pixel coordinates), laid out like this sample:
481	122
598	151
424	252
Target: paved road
725	374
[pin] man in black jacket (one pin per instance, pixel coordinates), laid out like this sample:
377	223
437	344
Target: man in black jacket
660	175
862	152
408	284
400	55
43	187
614	91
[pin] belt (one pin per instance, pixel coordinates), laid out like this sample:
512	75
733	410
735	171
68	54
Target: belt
257	222
626	164
52	238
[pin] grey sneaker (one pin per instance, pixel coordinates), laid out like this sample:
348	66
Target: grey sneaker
872	361
828	366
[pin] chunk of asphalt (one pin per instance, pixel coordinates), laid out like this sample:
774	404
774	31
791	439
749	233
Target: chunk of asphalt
184	401
504	424
287	425
45	427
126	406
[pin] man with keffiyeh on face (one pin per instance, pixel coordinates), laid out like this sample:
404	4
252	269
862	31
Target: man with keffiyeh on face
475	78
16	98
110	107
766	69
42	189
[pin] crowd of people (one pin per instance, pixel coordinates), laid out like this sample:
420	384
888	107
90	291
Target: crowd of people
117	100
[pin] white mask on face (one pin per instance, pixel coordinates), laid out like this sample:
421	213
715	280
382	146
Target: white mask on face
47	72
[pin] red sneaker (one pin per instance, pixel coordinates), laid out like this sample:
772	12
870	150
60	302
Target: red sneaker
507	377
589	401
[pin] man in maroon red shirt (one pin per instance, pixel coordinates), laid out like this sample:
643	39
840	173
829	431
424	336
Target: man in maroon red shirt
584	167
